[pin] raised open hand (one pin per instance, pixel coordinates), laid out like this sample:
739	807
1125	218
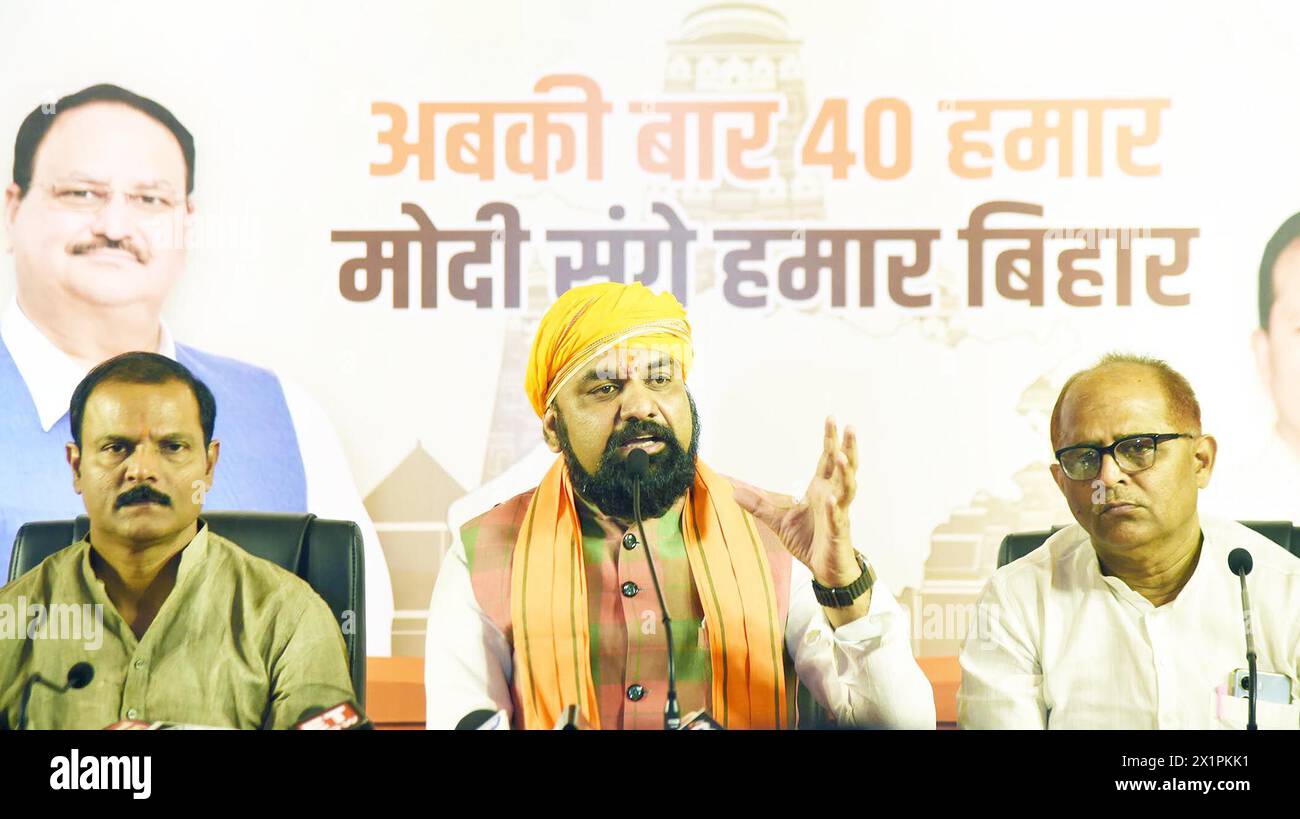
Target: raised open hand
816	529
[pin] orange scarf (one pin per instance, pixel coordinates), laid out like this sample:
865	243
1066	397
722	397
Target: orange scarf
548	606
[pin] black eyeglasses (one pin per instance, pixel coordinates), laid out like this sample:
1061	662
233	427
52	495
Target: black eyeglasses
1132	454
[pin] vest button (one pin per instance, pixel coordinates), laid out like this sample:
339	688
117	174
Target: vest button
629	541
631	589
635	692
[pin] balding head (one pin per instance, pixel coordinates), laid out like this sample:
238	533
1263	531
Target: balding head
1134	376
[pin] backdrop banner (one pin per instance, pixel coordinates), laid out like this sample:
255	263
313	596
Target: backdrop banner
920	218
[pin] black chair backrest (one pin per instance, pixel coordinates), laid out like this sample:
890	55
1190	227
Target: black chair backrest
1016	546
328	554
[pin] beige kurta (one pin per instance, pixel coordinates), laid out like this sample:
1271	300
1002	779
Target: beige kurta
239	643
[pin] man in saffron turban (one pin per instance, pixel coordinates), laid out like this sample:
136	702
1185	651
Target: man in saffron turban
548	606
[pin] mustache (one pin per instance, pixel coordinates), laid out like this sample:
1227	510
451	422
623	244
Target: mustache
639	429
141	493
103	243
1112	499
1098	507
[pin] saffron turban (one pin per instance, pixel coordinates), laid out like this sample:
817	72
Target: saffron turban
586	322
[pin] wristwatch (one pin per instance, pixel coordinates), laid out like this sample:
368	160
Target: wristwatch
844	596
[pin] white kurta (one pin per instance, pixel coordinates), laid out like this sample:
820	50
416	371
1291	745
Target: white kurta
1059	645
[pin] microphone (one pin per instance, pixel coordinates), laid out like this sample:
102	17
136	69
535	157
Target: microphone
345	716
1240	563
568	720
638	463
700	721
483	720
79	676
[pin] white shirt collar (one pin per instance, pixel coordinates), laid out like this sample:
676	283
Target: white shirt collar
1211	561
50	374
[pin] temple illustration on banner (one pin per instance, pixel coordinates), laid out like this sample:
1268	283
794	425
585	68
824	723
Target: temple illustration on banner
964	549
409	509
745	48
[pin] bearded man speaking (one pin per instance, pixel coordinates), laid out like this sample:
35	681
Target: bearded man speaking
547	607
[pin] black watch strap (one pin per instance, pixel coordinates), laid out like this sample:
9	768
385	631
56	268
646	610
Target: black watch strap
844	596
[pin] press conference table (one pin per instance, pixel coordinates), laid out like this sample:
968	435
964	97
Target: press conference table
395	690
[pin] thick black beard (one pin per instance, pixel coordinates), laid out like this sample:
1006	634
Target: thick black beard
670	474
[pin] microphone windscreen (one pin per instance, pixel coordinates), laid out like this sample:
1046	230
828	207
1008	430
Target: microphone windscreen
474	719
1240	561
345	716
80	675
638	461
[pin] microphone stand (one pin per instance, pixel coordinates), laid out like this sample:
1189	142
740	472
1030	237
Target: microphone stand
1251	693
79	676
1240	563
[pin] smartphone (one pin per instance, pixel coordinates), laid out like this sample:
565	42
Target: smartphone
1272	687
